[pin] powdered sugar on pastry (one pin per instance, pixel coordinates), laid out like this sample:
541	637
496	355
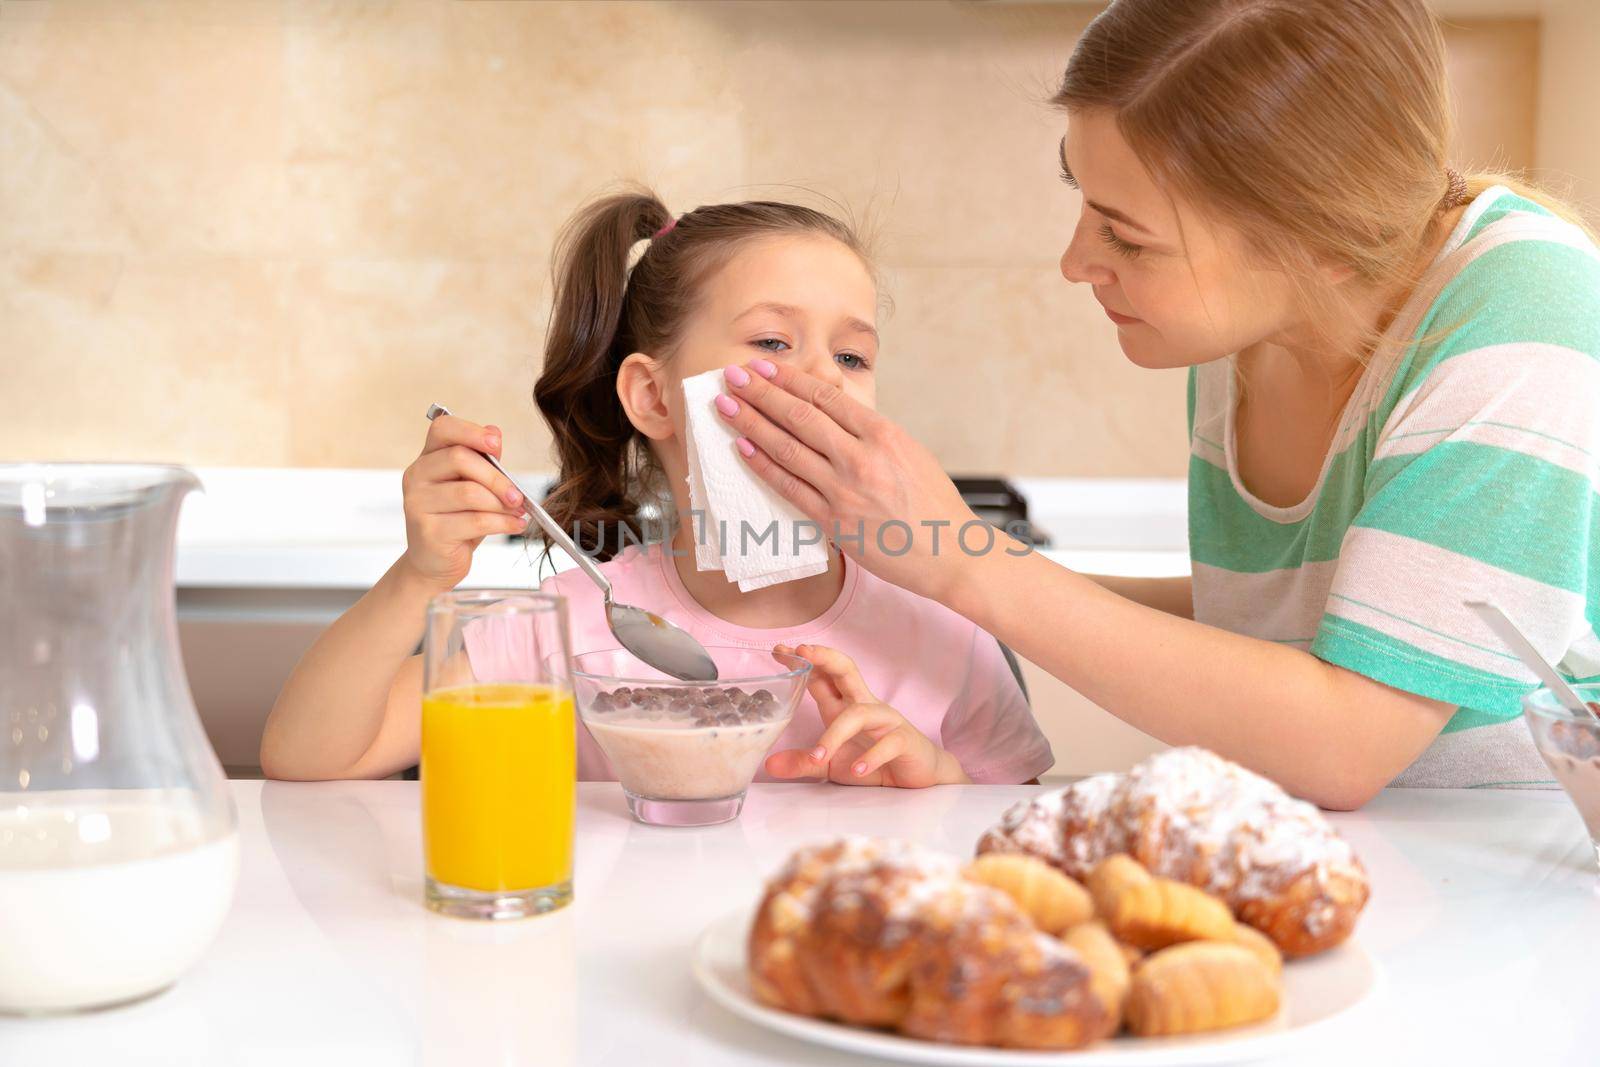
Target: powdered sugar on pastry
1190	815
1251	836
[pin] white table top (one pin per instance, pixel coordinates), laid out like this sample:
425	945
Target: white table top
1485	920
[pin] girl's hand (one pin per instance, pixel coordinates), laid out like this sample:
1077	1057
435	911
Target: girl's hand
856	472
454	499
864	741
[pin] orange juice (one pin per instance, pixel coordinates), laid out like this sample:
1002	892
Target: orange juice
499	767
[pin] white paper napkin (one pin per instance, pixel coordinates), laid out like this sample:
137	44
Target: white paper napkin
728	495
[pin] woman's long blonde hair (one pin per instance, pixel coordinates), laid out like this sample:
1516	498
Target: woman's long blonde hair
1319	129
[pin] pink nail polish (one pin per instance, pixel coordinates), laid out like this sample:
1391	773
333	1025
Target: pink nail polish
493	442
736	376
513	497
859	769
764	367
727	405
746	449
819	754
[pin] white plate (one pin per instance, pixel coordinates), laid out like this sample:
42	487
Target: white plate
1318	993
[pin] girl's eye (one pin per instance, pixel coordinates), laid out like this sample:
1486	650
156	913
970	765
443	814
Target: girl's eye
1121	247
1066	176
762	343
850	361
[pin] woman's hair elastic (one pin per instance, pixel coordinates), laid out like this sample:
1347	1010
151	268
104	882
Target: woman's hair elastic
664	230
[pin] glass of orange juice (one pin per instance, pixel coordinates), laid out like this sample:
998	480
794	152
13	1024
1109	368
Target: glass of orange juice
499	755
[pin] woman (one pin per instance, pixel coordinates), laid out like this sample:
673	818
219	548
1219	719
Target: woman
1394	406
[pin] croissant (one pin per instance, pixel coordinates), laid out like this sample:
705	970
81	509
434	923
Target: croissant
886	934
1112	877
1051	899
1260	944
990	978
1108	965
784	917
1161	912
1191	816
1199	986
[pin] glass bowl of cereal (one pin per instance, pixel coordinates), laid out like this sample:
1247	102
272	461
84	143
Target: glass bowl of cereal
686	752
1570	744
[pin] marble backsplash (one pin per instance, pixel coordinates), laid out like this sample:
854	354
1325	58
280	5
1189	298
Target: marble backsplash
270	232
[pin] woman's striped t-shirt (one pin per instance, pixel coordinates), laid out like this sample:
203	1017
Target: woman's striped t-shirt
1464	468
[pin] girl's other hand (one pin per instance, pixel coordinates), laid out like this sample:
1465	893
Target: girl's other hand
864	741
454	499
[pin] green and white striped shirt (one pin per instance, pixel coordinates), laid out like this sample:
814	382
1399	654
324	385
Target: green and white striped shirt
1464	467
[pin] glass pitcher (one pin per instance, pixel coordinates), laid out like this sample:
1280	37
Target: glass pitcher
118	838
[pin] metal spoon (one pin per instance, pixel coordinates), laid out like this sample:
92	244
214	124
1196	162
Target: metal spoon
1507	632
644	633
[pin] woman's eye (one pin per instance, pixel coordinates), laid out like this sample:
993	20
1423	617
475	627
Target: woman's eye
850	361
1121	247
765	342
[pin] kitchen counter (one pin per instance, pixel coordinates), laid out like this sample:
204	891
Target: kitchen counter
314	530
1484	921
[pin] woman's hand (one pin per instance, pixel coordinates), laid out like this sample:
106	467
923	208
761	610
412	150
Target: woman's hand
454	499
864	741
877	493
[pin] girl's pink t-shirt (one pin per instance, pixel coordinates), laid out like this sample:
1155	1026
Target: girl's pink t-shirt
933	666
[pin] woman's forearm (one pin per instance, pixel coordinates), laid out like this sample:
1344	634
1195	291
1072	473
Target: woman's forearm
332	708
1324	733
1175	596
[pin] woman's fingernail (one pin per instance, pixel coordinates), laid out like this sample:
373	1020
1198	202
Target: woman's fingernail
764	367
819	754
513	497
727	405
492	441
736	376
745	447
859	769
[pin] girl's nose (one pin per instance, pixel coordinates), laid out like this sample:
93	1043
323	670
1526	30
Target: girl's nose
821	364
1079	262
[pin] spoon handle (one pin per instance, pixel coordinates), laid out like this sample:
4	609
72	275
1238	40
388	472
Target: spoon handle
1507	632
551	528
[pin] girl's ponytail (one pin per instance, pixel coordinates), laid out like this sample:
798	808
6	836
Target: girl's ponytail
597	450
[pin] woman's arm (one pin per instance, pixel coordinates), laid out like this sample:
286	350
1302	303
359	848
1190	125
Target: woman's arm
1323	732
1175	596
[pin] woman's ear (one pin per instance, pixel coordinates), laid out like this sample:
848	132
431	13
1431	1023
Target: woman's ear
643	396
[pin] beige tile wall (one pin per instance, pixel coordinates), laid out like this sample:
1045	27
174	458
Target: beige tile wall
264	232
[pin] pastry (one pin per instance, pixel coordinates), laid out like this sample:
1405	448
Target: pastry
1112	877
1162	912
1199	986
786	912
1191	816
1051	899
985	976
885	934
1262	945
1107	962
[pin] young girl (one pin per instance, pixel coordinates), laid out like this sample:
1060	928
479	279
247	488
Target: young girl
928	698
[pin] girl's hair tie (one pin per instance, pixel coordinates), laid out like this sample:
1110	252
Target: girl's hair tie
1455	193
664	230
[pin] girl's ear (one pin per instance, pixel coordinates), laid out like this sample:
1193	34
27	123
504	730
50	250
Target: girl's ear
641	390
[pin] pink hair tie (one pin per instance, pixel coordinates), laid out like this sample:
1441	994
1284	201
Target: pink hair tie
664	230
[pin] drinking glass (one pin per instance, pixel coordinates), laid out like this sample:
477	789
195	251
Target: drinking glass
499	754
